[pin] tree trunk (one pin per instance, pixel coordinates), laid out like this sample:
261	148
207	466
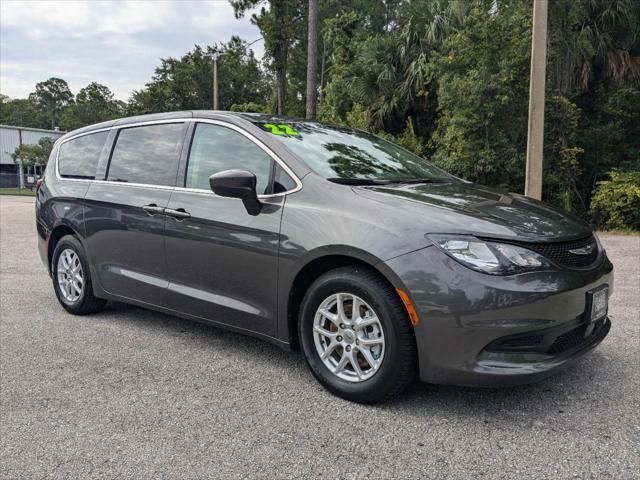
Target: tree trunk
312	59
281	90
280	57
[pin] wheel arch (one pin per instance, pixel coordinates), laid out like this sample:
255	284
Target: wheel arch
59	231
320	265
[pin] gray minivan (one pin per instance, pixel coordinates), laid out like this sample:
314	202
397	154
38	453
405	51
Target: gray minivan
378	265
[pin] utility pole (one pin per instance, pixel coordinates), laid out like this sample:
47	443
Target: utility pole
535	136
214	58
215	82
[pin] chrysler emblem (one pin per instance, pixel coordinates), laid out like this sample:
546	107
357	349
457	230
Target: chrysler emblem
586	250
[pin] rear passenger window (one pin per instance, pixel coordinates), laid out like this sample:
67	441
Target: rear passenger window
78	158
215	148
147	155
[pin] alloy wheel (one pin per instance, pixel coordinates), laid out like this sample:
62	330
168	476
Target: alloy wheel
70	275
348	337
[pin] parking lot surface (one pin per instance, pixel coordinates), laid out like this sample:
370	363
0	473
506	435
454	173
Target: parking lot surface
129	393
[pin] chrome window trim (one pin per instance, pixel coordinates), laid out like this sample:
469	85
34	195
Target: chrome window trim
131	184
236	128
260	145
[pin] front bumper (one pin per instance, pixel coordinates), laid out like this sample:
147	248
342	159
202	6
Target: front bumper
484	330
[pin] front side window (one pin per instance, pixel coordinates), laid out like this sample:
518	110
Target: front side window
216	148
147	154
78	158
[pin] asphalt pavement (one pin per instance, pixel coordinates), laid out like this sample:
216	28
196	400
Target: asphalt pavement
130	393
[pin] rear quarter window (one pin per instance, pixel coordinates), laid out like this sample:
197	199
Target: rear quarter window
78	157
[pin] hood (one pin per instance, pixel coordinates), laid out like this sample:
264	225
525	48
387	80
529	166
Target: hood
472	209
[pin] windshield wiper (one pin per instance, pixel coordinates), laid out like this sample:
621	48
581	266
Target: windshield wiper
358	181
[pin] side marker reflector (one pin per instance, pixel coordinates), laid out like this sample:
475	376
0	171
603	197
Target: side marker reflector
413	315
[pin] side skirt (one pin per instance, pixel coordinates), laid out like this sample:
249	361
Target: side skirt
100	293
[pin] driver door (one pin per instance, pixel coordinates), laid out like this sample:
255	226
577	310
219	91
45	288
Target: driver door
222	262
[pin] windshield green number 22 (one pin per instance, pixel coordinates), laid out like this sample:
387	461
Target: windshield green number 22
280	129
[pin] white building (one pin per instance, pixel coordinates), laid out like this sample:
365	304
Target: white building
11	138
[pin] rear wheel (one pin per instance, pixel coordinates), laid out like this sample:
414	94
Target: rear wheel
356	336
72	278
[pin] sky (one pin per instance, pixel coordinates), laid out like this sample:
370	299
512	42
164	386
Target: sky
116	43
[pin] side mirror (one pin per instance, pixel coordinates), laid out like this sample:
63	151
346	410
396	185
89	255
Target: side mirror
237	184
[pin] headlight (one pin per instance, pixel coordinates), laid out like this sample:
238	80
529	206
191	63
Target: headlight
490	257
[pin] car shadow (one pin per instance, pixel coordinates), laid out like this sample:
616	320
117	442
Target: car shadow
580	391
196	332
540	401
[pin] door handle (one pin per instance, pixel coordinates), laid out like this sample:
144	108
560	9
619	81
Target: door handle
153	209
178	214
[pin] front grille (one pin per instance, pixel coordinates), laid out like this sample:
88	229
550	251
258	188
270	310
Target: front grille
568	340
510	344
560	252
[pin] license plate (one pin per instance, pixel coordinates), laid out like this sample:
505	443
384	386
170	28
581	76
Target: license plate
597	304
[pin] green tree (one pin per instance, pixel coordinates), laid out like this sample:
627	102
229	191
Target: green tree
563	157
343	34
22	112
53	95
593	40
387	70
280	25
482	76
594	64
93	103
34	154
186	83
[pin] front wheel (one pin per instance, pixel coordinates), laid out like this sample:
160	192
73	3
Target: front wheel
356	335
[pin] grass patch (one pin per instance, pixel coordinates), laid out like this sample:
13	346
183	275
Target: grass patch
619	232
17	191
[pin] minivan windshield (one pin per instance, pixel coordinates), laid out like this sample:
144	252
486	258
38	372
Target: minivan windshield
349	156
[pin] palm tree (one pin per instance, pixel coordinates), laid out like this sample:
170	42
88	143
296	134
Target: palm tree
595	38
394	67
429	24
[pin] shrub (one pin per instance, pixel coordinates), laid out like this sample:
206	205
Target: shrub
616	202
407	140
357	118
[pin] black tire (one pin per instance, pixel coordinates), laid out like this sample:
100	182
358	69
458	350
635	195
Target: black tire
398	368
87	302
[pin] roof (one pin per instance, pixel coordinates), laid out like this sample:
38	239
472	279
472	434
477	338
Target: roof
250	117
255	117
10	139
